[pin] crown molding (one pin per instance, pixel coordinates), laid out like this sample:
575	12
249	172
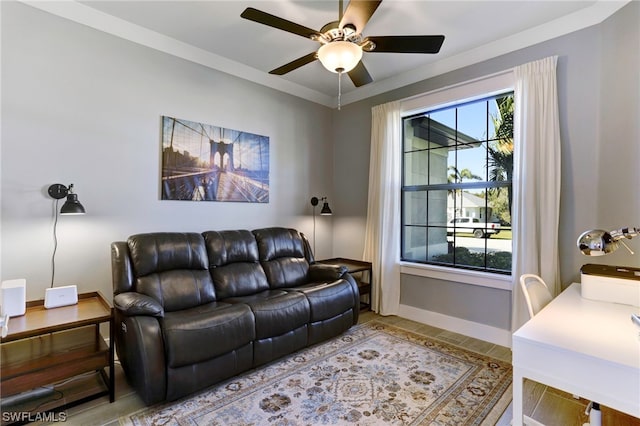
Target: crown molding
581	19
112	25
104	22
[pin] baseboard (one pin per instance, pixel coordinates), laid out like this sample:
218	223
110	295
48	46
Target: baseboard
476	330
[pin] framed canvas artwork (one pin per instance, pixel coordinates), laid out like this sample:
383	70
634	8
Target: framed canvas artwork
202	162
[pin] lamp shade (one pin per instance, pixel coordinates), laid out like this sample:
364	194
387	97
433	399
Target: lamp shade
326	211
340	56
597	242
72	205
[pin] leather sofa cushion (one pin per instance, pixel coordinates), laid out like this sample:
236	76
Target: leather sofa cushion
286	272
171	267
233	262
226	247
282	255
238	279
177	290
276	311
205	332
166	251
328	300
275	242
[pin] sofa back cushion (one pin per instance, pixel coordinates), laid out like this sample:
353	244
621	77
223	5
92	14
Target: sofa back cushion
234	264
171	267
282	255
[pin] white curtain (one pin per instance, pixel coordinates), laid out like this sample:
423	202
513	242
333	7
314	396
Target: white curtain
381	245
536	179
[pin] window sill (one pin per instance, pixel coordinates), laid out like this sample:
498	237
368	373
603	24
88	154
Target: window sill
485	279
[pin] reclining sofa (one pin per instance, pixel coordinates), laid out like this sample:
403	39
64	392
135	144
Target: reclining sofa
194	309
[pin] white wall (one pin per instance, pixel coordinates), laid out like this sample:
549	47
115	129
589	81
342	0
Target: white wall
83	107
618	190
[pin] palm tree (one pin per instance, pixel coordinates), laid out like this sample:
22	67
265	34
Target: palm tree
501	153
503	124
457	176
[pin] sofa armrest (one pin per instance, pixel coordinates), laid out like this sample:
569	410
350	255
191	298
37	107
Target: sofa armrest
132	304
141	351
323	272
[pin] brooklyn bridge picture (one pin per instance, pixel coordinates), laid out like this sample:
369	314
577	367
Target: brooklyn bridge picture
201	162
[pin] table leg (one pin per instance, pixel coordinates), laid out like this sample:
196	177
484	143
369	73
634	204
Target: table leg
112	342
517	398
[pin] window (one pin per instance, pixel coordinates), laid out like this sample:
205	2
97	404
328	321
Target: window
457	170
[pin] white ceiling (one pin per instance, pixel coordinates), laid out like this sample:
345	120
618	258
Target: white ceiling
213	34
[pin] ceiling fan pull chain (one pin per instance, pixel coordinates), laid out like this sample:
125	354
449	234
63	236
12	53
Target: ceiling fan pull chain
339	88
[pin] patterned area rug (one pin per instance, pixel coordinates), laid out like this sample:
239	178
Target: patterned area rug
374	374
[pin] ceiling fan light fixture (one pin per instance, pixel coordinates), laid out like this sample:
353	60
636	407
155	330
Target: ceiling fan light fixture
340	56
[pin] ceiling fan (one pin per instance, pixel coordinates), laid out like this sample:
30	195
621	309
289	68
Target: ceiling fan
342	42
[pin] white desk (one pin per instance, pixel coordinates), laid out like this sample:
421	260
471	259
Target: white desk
583	347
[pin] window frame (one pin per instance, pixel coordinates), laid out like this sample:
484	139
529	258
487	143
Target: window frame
473	90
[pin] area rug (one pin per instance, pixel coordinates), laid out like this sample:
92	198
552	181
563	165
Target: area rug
374	374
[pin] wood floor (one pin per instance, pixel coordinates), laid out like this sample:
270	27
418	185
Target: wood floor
548	406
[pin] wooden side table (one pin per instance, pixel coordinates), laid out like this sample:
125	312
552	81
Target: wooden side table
46	346
355	267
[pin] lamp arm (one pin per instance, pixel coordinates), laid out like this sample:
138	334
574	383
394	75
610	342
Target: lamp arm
627	233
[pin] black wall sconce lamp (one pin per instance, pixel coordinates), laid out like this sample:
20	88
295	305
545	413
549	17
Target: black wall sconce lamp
326	211
72	205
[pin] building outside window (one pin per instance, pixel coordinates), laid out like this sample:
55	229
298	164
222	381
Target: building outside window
457	170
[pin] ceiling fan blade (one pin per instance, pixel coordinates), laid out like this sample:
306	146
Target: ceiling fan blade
295	64
359	75
358	13
408	44
276	22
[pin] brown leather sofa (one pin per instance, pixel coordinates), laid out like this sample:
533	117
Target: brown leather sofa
194	309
